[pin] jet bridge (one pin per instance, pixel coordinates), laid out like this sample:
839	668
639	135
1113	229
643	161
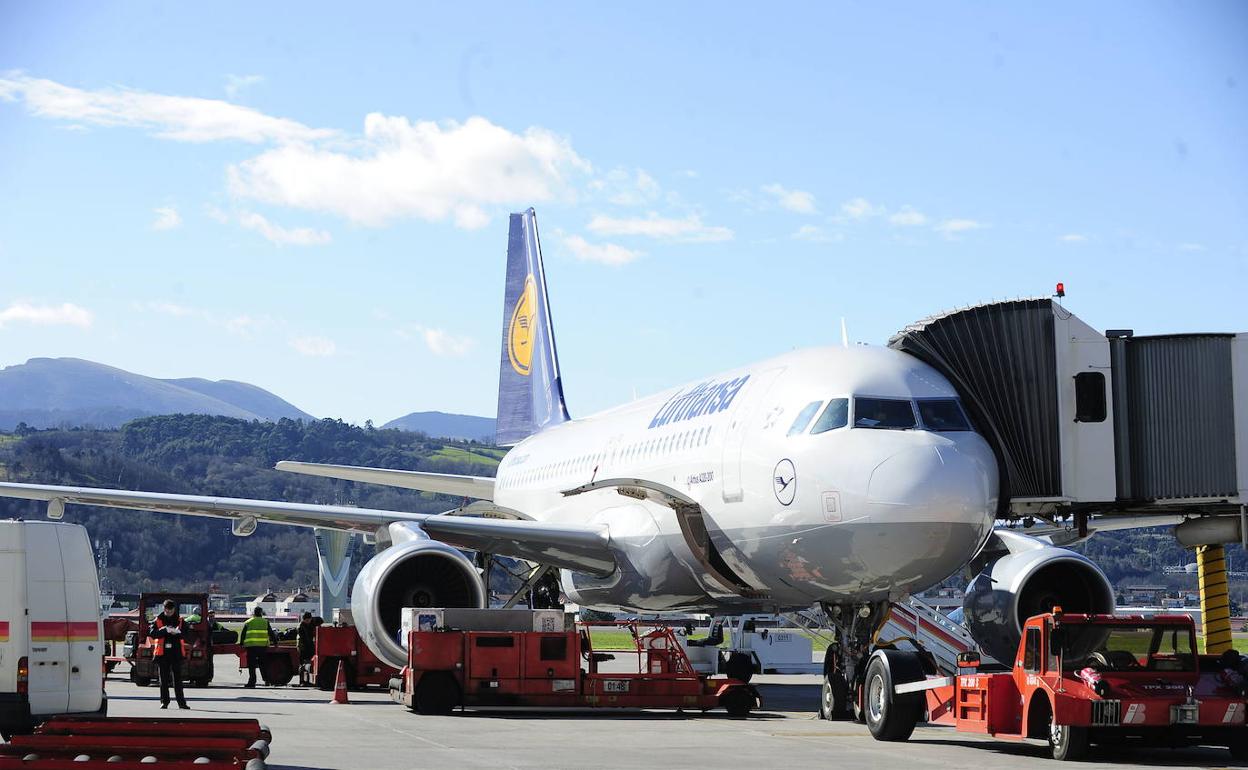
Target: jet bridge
1089	422
1084	422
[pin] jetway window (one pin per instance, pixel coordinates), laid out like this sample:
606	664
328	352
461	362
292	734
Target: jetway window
1090	397
804	417
883	413
835	416
942	414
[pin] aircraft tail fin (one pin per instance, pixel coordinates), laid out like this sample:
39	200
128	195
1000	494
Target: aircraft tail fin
530	392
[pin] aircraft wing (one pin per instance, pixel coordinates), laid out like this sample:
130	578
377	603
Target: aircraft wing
475	487
584	548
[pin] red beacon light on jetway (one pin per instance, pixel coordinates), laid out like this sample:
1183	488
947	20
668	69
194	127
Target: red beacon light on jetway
1061	289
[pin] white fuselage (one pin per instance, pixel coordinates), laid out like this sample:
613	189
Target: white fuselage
717	501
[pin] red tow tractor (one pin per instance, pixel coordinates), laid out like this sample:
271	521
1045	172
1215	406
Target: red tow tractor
1076	680
449	669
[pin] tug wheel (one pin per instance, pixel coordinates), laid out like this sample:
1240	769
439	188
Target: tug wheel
890	717
1068	742
437	694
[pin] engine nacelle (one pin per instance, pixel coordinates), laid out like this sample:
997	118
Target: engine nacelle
415	573
1034	578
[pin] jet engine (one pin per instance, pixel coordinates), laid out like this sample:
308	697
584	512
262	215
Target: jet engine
416	572
1031	577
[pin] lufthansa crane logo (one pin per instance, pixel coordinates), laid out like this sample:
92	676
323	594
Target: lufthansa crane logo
784	481
520	332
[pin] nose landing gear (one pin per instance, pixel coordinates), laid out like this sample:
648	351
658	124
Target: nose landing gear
844	663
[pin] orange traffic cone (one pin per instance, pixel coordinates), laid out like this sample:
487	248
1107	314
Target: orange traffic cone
340	684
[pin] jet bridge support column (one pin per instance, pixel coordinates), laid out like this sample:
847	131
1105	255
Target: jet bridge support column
332	550
1215	610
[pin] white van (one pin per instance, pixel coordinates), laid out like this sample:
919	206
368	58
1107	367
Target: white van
51	642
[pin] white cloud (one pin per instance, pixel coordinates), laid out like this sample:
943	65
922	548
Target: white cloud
166	308
1072	238
167	218
951	228
622	187
689	229
603	253
236	84
65	314
426	170
1191	247
283	236
443	343
180	118
798	201
816	234
315	347
860	208
907	216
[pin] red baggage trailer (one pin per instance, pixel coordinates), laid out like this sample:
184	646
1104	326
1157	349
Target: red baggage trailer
341	645
450	669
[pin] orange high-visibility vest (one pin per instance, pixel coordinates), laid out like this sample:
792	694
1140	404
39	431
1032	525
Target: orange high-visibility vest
160	643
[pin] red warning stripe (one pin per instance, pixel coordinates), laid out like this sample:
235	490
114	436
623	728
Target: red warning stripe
4	630
61	631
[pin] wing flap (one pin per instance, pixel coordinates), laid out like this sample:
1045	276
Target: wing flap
475	487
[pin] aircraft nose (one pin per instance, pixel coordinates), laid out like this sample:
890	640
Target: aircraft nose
949	483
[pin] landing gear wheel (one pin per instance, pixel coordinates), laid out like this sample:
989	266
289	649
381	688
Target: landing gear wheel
437	694
738	702
834	700
890	717
1068	742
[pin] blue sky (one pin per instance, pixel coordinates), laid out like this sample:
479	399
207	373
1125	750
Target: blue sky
314	200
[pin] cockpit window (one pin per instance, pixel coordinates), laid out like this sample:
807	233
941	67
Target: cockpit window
835	416
886	413
804	417
941	414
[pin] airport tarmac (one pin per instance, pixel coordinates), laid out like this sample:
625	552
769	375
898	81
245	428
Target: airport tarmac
374	732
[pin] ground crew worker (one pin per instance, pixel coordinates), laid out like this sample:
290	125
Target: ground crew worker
257	635
170	651
307	645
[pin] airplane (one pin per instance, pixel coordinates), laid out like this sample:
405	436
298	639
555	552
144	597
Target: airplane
844	477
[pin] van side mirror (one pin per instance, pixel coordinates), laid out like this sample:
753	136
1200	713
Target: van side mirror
968	659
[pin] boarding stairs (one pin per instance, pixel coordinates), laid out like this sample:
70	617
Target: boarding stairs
909	619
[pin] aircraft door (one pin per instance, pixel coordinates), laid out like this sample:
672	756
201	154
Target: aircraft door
745	414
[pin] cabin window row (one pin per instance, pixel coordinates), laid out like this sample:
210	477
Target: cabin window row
641	450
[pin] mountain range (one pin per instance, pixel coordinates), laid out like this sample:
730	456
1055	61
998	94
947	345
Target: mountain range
73	393
443	425
56	392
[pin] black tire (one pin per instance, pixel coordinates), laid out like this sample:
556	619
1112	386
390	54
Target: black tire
1239	748
739	666
890	717
327	673
1068	742
834	699
437	694
141	681
738	702
277	670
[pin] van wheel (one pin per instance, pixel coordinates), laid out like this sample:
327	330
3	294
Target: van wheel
1068	742
890	717
437	693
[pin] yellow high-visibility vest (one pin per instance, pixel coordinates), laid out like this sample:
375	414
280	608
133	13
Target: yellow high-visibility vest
256	633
